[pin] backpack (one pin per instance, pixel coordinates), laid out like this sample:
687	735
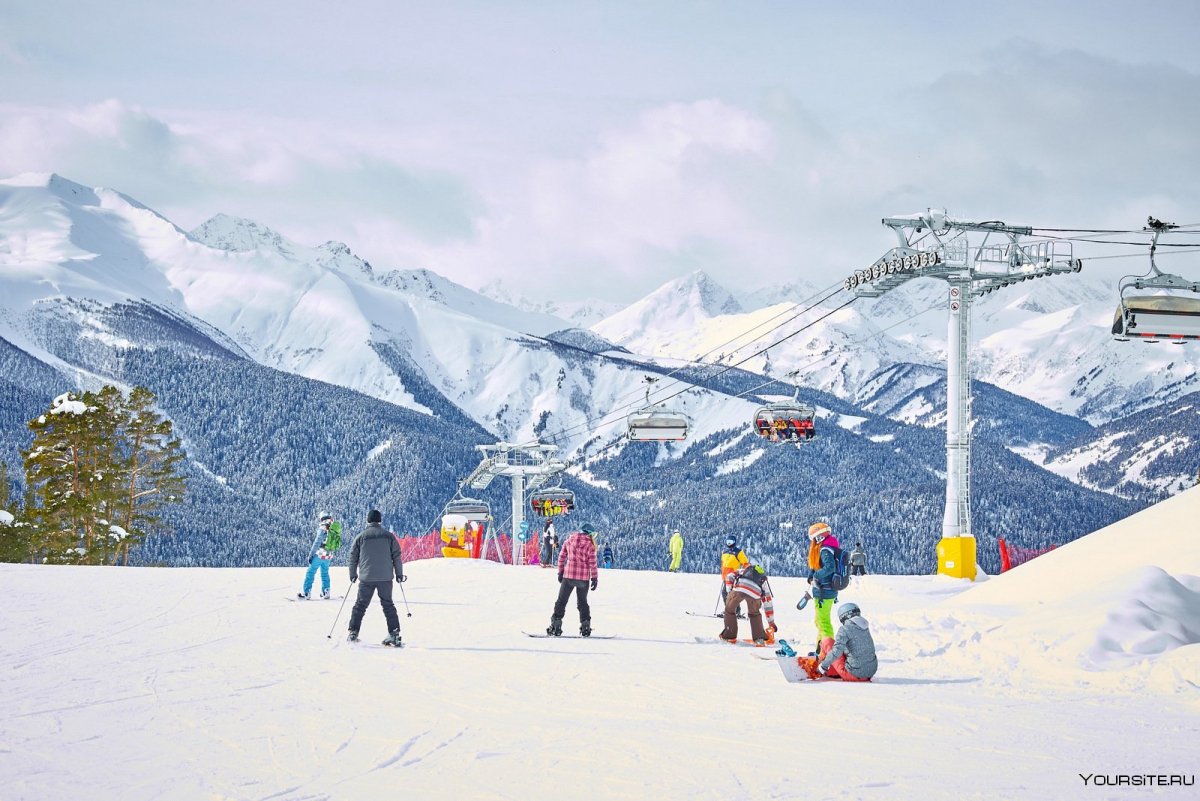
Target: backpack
840	579
333	540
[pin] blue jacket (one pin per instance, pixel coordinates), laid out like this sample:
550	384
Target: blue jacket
821	589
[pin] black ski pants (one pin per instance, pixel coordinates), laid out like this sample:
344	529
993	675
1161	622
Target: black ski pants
365	590
580	586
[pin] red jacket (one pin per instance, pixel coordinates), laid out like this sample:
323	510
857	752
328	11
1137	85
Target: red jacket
578	557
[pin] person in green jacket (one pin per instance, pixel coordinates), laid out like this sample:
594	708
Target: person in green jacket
676	547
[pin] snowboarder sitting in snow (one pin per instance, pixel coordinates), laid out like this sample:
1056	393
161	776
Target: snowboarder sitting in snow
851	656
750	585
327	541
376	555
576	571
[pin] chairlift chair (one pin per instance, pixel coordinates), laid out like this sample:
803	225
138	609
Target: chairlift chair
1158	318
552	501
788	421
657	423
473	509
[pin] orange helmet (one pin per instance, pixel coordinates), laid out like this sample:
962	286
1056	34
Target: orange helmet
819	531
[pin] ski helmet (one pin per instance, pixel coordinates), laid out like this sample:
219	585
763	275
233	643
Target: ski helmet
326	516
589	529
847	611
731	541
819	531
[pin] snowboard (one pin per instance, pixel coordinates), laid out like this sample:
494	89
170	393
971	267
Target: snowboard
739	642
545	636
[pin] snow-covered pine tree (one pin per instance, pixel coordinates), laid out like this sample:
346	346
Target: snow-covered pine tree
99	469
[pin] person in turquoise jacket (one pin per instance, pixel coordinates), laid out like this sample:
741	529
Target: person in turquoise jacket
822	564
319	557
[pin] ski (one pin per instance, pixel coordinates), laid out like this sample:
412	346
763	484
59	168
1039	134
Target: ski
544	636
318	598
717	615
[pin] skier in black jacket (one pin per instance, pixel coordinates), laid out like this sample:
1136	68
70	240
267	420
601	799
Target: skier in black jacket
376	555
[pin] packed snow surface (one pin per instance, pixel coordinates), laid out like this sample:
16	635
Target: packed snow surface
127	683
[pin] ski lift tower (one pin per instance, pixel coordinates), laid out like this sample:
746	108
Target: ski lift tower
973	258
529	467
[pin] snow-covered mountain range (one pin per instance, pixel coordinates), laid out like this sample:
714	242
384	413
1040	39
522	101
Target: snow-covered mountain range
248	337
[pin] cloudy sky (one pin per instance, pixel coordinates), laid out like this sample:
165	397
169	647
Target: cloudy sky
597	149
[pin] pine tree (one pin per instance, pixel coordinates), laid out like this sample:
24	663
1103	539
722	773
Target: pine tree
149	469
4	488
99	469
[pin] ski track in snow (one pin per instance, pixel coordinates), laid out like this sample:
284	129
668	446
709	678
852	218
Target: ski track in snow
131	683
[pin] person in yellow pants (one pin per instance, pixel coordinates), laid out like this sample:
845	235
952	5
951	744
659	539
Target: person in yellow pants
821	565
676	548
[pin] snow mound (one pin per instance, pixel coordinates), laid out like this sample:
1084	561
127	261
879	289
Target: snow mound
1158	614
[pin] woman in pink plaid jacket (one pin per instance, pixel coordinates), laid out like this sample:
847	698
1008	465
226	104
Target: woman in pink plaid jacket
576	572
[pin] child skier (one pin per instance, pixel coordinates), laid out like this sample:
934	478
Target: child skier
822	564
321	554
576	572
733	559
851	656
750	585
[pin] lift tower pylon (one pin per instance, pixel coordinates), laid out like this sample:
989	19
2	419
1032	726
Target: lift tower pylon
973	258
529	467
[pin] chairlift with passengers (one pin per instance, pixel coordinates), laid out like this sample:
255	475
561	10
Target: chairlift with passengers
552	501
657	423
788	421
1162	317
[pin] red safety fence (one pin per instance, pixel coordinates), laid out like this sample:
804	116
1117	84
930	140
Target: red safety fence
429	546
1013	555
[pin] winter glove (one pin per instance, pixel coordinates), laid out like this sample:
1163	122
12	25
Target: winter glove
353	579
594	580
560	578
774	628
404	577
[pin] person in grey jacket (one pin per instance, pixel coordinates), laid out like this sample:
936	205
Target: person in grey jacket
851	655
374	558
858	561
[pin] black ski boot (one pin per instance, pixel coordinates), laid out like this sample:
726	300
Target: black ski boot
393	640
585	628
555	627
352	636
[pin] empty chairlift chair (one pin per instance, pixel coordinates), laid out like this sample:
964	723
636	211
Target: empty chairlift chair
472	509
1161	317
657	423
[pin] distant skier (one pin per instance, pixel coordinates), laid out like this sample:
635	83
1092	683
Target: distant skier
549	544
325	544
376	555
749	585
607	559
851	656
676	548
822	564
858	560
733	558
576	572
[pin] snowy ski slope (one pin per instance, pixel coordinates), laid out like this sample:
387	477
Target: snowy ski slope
209	684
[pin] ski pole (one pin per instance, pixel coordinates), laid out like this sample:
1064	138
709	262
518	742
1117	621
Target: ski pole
404	595
329	636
